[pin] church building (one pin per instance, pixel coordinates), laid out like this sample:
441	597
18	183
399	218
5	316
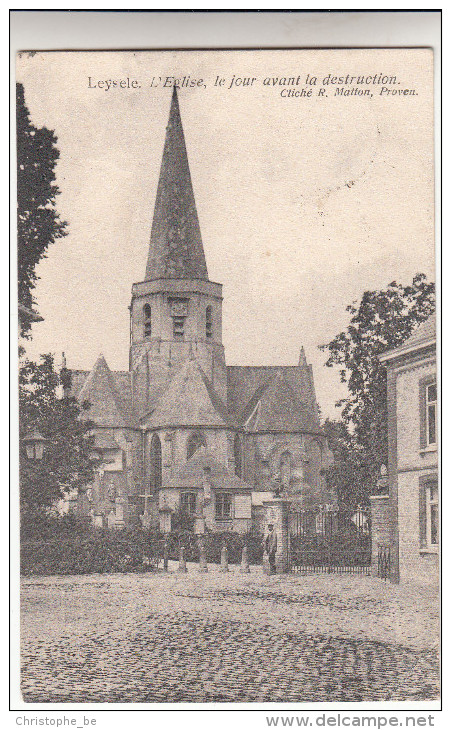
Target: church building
182	439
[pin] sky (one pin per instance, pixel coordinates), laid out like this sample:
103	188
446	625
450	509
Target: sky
304	201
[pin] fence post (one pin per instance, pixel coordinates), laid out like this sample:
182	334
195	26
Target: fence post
224	560
165	556
383	562
244	561
182	561
276	514
203	567
381	527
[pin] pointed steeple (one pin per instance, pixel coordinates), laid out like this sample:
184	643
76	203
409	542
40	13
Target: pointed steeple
176	249
302	359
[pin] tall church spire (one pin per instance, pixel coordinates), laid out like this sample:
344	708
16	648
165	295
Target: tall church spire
176	249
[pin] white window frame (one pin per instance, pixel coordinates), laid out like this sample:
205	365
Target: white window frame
220	497
428	404
187	502
431	501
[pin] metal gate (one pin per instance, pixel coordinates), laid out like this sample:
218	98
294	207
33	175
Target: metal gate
327	540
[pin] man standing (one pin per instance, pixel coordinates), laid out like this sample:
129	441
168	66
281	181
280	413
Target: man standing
270	545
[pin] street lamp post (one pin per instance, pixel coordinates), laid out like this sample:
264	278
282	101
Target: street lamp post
35	445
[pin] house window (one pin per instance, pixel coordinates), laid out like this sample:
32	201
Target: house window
188	503
147	311
429	513
155	463
195	441
431	414
432	515
223	506
428	413
178	325
238	456
209	322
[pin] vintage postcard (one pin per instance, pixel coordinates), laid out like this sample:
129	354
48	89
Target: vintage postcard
227	377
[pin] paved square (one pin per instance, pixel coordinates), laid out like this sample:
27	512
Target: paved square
227	638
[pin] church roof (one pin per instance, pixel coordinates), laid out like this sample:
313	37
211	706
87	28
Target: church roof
266	398
108	406
189	400
191	474
276	407
176	249
274	398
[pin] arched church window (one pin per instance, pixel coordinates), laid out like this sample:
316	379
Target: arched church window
285	469
155	463
316	459
209	322
147	320
195	441
238	456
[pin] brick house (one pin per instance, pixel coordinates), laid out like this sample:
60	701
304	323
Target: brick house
181	435
413	455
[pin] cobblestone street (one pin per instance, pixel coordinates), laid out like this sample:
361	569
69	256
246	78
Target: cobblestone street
227	638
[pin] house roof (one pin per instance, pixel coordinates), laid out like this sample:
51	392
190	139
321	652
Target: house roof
176	249
189	400
108	405
423	336
192	474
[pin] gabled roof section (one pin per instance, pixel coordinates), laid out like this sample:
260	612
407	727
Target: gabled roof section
108	406
424	336
273	398
176	249
204	465
279	408
77	380
189	400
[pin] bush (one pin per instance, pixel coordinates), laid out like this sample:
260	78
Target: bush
41	525
89	550
68	546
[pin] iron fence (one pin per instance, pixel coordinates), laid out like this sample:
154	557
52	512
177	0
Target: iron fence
328	540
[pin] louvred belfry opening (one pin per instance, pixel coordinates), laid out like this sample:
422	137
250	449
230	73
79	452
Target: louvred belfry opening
176	249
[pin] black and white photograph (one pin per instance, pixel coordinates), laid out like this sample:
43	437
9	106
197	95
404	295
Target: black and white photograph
227	375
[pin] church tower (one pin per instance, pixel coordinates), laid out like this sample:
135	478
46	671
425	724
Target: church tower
176	312
183	438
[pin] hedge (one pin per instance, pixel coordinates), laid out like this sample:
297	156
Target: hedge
66	546
96	551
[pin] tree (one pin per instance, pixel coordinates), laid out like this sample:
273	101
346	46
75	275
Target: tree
38	222
67	462
381	321
349	475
